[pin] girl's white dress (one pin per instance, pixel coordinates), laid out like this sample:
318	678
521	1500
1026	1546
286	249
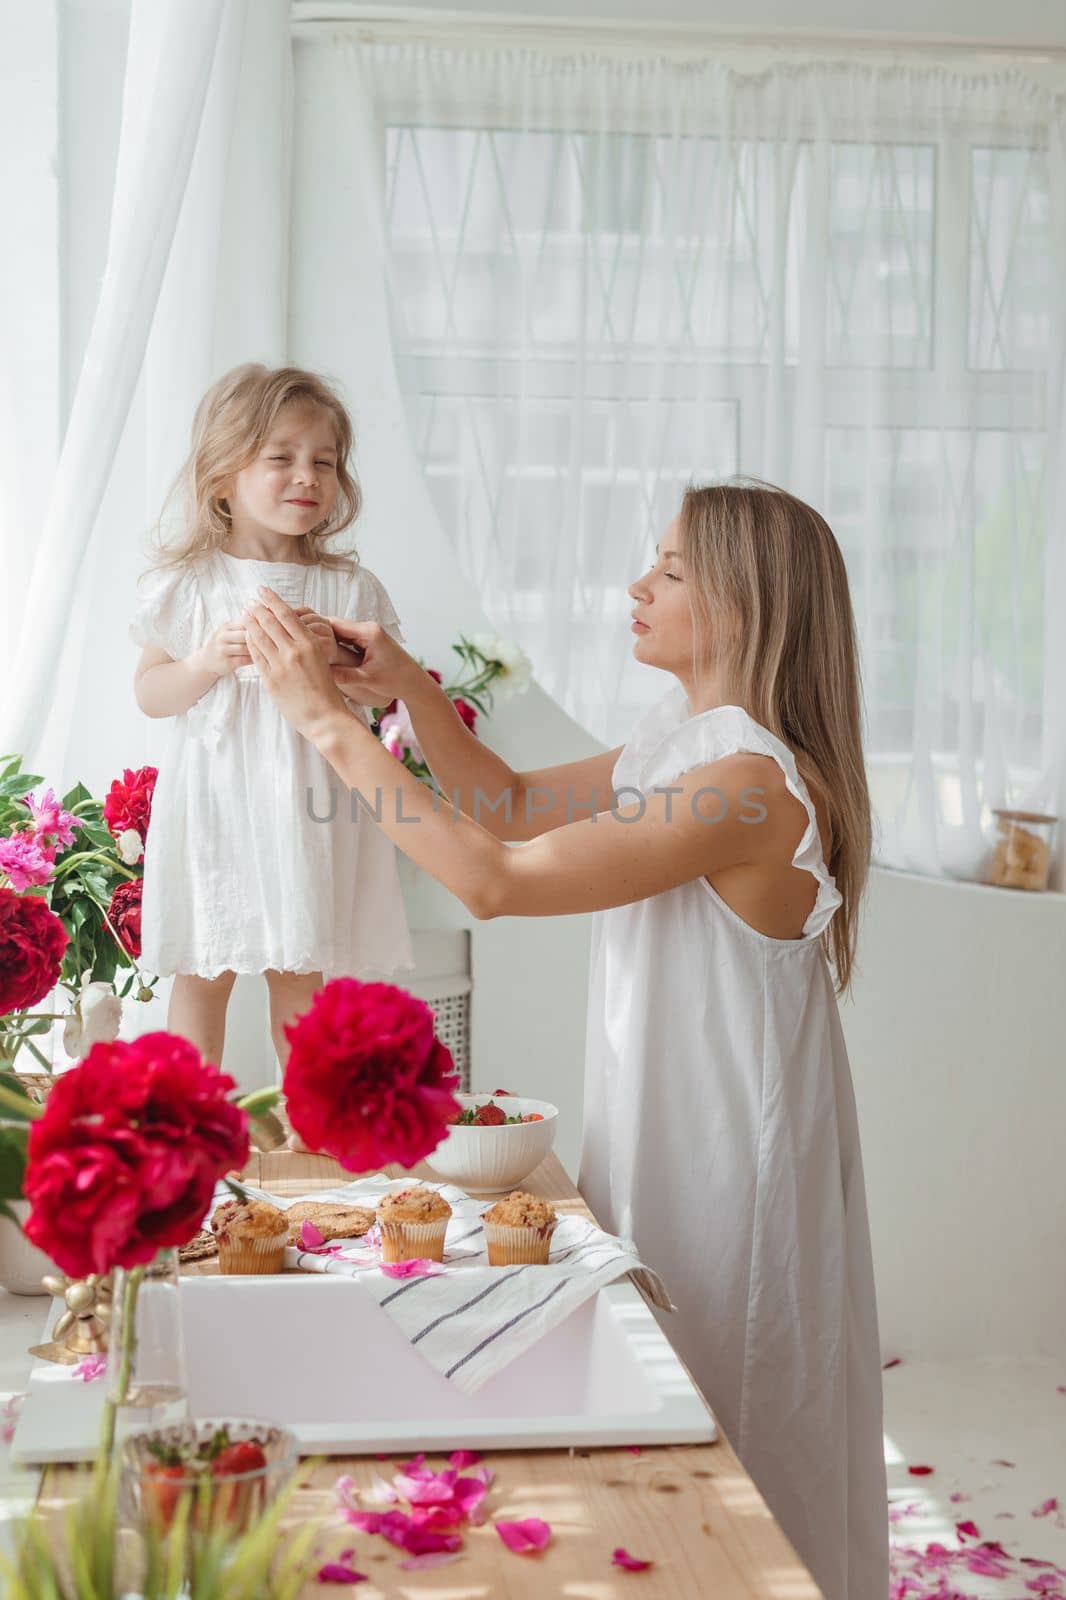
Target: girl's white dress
254	858
721	1135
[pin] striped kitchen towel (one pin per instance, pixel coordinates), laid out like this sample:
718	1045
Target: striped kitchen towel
469	1319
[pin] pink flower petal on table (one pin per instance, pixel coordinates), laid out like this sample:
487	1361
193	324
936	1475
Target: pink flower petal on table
91	1368
432	1558
434	1489
919	1472
1047	1508
896	1361
469	1495
381	1492
526	1536
999	1462
418	1268
634	1449
628	1563
345	1491
464	1458
340	1572
967	1530
364	1521
310	1236
957	1497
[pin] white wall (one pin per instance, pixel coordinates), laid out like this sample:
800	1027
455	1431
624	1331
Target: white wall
956	1027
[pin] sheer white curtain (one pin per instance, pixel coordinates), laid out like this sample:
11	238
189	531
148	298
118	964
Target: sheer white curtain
609	277
195	280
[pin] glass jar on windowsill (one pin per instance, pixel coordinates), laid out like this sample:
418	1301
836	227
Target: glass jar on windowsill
1021	858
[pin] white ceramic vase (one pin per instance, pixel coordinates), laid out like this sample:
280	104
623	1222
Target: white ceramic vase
22	1265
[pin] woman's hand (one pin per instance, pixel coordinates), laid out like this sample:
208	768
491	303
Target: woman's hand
287	656
325	638
382	672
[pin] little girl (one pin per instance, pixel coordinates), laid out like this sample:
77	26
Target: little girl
254	862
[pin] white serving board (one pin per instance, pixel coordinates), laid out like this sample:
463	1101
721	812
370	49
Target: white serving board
315	1352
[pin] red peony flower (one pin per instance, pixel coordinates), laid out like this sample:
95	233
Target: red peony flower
125	1158
466	711
125	914
32	944
366	1079
129	801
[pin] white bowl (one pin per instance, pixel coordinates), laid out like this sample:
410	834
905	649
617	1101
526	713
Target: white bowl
490	1160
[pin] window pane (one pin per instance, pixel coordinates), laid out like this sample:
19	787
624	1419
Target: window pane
1010	259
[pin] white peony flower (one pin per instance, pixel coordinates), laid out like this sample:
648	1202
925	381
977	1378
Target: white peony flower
517	669
130	846
95	1019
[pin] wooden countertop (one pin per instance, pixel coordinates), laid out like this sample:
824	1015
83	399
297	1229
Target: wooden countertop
692	1509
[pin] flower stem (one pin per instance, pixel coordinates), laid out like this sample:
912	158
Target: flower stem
127	1352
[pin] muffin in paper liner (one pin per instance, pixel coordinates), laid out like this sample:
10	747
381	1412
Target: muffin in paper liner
413	1241
253	1255
509	1246
518	1230
251	1236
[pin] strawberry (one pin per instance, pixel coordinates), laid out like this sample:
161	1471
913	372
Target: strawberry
161	1489
490	1116
234	1459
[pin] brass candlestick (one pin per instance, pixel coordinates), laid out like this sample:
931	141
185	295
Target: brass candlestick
81	1329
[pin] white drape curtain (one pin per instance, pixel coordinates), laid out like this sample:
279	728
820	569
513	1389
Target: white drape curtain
609	277
195	280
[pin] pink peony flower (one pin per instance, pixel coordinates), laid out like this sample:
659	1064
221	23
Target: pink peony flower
27	860
50	820
367	1081
398	735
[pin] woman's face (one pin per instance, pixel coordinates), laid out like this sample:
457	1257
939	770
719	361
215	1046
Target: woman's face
662	625
291	485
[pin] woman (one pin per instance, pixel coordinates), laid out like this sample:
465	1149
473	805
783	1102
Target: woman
720	1131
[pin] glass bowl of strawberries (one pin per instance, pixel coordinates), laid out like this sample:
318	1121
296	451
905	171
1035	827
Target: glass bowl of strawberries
216	1472
496	1141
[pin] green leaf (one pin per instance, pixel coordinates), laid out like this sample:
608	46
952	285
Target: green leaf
12	1162
75	796
15	1103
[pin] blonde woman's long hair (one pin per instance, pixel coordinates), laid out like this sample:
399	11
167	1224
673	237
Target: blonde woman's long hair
772	611
232	420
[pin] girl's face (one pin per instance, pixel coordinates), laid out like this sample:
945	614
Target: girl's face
291	485
662	616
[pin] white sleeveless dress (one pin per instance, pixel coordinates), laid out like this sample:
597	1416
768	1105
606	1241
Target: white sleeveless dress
254	859
720	1133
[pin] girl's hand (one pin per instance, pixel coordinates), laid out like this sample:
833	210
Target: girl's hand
287	656
225	651
372	669
324	635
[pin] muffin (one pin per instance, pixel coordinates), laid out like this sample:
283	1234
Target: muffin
251	1235
518	1230
413	1223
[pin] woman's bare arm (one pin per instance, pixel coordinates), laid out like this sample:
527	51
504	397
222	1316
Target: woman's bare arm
705	822
511	805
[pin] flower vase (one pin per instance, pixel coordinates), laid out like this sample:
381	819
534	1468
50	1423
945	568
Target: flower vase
146	1379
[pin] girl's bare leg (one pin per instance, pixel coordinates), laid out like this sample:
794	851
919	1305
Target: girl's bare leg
197	1011
291	994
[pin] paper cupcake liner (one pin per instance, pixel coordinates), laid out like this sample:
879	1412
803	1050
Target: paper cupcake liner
253	1255
413	1241
509	1246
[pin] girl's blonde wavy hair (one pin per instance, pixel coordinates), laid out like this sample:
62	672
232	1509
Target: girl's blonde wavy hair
232	421
771	610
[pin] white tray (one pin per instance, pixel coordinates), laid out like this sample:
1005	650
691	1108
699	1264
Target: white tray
315	1352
